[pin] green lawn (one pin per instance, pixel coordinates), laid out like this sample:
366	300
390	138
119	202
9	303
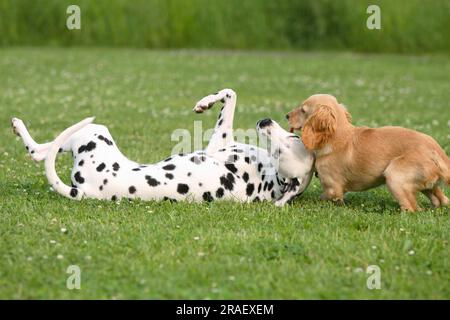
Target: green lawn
310	249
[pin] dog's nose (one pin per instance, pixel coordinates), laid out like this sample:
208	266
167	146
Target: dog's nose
287	116
264	123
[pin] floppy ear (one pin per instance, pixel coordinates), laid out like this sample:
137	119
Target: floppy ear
319	128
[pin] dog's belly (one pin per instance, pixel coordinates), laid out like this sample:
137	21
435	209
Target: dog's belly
239	172
364	183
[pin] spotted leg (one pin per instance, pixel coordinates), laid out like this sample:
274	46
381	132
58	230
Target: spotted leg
290	191
223	131
36	150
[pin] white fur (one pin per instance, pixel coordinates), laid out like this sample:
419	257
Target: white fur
289	155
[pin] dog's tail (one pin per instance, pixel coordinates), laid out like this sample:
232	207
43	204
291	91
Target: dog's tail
50	171
443	163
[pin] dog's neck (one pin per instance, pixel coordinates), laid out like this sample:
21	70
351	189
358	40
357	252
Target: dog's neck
339	141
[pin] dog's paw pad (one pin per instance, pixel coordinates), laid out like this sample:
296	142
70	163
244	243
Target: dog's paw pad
202	106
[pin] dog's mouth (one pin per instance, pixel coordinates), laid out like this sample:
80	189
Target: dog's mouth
292	129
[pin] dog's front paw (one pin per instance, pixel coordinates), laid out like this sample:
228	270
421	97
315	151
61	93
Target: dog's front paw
16	125
280	203
204	104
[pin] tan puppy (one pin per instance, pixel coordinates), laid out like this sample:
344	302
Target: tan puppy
350	158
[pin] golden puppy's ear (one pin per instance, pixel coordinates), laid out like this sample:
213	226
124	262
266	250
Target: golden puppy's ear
319	128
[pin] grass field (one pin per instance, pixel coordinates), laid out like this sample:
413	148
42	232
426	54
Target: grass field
311	249
406	26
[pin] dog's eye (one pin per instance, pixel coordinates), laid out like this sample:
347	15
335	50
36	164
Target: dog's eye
302	110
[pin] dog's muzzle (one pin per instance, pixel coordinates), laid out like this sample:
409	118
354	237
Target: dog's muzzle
264	123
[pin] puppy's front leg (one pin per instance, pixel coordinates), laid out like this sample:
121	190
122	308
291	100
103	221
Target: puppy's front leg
333	194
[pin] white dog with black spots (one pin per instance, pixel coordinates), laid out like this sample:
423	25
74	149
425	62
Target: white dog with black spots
224	170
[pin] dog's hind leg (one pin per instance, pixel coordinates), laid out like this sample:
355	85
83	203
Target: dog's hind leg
436	196
401	180
223	131
37	151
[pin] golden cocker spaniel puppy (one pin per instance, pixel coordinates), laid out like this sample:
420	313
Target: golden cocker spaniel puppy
350	158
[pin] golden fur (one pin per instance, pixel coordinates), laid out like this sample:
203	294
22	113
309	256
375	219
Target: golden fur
350	158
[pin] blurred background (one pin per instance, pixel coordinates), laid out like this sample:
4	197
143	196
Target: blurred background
408	26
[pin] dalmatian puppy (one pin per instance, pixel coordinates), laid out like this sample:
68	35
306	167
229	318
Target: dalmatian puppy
224	170
287	153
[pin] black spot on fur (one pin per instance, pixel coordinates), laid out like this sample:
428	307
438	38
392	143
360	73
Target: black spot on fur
270	185
73	192
116	166
219	193
169	176
168	159
105	181
100	188
250	189
222	150
113	198
233	158
273	194
220	122
207	196
182	188
169	167
136	169
107	141
87	147
81	163
238	150
114	174
132	189
227	181
152	182
259	187
245	177
100	167
231	167
189	174
224	135
78	177
247	159
265	186
260	165
195	160
169	199
256	199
